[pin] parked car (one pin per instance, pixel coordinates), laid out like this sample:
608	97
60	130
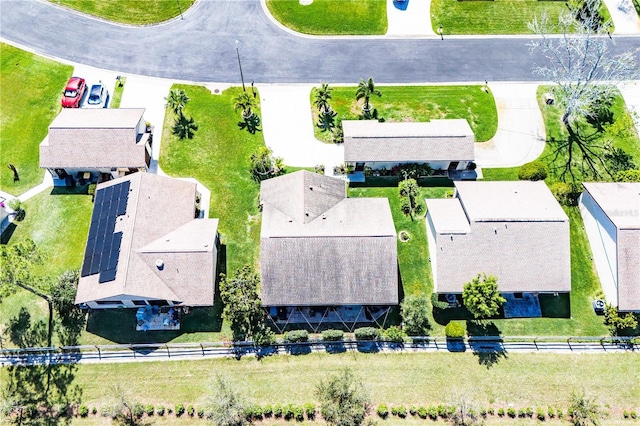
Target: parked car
73	92
98	96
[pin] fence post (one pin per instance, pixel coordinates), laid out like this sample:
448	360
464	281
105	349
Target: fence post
569	343
99	353
535	342
168	353
202	347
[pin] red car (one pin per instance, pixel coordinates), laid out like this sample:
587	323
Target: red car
73	92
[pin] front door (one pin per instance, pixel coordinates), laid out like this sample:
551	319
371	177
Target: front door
453	165
359	167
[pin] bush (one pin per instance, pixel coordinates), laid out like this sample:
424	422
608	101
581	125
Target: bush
83	411
191	411
529	412
628	176
633	414
267	410
253	412
298	413
394	411
91	190
432	412
567	194
501	412
296	336
483	412
179	410
310	410
551	412
201	412
160	410
454	330
148	409
106	411
413	410
277	411
288	412
422	412
138	410
443	412
382	411
415	315
491	411
333	335
625	414
94	410
535	170
401	411
436	302
521	413
394	334
540	414
367	333
511	412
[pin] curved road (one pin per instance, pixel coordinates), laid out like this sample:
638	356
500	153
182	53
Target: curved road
201	48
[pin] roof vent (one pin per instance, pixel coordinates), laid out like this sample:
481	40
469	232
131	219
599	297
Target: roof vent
160	264
324	216
311	188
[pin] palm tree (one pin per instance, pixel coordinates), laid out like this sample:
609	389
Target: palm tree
321	97
245	102
184	127
251	123
365	90
176	100
326	120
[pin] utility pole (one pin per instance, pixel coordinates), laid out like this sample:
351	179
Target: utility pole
240	66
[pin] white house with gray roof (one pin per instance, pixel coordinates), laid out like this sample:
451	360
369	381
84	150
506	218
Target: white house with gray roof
443	144
611	214
319	248
84	143
145	246
515	231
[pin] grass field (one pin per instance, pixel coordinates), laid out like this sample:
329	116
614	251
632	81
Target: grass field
627	140
218	156
403	378
25	118
129	11
332	17
420	103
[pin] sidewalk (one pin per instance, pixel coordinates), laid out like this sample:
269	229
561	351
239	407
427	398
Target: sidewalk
624	16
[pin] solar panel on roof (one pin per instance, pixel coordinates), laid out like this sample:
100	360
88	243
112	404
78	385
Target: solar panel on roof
106	276
103	245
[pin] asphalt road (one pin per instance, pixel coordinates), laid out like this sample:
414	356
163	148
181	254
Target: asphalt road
201	48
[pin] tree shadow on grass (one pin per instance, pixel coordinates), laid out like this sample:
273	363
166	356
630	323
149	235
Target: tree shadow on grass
41	392
485	342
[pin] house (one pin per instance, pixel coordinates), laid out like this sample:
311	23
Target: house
611	214
145	248
90	144
513	230
445	145
324	253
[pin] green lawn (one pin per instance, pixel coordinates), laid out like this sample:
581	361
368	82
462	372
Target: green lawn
404	378
218	156
421	103
332	16
129	11
556	131
25	119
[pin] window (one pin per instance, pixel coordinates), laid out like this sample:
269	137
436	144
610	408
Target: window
109	302
139	302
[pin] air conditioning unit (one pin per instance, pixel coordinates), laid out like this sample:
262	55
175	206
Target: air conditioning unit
598	306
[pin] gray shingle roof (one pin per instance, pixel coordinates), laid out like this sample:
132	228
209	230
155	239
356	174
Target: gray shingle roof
159	224
619	200
528	250
436	140
343	253
94	138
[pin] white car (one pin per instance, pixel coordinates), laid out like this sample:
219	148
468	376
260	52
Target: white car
98	96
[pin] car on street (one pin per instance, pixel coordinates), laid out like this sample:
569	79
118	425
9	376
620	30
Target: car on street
98	96
73	92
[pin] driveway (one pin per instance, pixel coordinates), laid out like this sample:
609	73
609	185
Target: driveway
409	18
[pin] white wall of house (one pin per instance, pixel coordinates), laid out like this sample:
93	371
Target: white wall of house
431	241
602	236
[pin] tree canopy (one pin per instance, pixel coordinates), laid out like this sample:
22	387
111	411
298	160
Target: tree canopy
415	315
481	296
409	192
343	399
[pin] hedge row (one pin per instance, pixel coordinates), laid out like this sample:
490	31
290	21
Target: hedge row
445	412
